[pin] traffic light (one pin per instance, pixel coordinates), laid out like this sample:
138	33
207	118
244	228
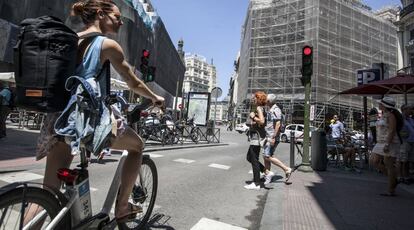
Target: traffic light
148	72
307	64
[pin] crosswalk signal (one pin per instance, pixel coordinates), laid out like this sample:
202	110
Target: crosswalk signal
307	64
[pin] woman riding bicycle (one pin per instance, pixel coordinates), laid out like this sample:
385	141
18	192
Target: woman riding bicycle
100	16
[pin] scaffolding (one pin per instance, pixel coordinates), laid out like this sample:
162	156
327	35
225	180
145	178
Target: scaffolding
346	36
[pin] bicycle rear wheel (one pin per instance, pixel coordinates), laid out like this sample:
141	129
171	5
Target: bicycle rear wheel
39	208
144	194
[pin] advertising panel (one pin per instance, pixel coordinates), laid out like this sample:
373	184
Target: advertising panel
198	107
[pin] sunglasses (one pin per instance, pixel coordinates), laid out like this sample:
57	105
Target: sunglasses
119	18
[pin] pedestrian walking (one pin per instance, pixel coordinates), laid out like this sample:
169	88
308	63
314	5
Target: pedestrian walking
388	142
257	135
5	97
103	17
407	149
273	124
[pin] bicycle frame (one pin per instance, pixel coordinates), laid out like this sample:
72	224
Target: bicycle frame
73	195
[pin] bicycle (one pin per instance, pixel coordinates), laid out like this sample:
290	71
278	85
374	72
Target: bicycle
187	130
71	208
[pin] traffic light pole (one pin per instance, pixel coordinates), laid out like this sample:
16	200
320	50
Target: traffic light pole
305	166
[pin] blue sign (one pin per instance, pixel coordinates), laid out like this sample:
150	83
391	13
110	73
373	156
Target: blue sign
365	76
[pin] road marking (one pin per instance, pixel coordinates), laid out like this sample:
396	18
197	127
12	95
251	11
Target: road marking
20	176
153	155
218	166
186	161
251	172
93	189
207	224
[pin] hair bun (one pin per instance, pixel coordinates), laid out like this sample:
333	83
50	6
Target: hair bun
78	8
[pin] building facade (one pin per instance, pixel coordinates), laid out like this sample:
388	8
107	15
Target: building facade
220	111
142	29
346	36
405	25
200	76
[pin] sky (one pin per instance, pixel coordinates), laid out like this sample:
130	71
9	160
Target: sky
212	28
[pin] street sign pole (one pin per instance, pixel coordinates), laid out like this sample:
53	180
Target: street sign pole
307	71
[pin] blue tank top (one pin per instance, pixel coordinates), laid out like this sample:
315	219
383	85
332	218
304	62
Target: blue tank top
91	66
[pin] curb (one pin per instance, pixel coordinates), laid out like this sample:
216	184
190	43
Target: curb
272	219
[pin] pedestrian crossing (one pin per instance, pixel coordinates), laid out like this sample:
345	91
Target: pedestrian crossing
202	224
19	177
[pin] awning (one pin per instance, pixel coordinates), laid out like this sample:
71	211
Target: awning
9	76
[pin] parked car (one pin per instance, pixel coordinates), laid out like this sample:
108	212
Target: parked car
298	130
241	128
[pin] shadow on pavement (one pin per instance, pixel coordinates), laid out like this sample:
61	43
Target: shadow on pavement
351	201
18	144
159	221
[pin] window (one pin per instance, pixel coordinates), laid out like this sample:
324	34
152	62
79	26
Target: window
292	127
300	128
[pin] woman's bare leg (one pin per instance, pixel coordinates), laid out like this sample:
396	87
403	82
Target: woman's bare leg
58	157
131	142
392	174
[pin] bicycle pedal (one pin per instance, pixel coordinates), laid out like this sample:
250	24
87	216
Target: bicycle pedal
112	224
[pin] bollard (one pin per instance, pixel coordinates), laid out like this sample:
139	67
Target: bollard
292	149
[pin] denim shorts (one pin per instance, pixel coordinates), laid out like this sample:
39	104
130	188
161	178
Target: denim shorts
268	149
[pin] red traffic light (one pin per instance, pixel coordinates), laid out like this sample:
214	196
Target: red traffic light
145	53
307	50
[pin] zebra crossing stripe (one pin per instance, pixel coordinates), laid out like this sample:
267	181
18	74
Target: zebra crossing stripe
218	166
186	161
20	176
153	155
207	224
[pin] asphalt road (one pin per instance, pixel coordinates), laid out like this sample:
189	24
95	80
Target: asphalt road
197	184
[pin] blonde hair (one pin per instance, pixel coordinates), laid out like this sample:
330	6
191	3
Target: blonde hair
87	9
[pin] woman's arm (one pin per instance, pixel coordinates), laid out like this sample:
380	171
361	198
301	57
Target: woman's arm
260	117
113	52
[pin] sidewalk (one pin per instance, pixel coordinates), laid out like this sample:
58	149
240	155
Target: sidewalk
17	150
336	199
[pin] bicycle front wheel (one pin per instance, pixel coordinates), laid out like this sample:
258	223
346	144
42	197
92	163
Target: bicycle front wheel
35	211
144	194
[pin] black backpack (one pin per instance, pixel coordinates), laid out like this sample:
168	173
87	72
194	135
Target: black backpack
44	57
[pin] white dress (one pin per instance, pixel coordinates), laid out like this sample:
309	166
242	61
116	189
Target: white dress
382	133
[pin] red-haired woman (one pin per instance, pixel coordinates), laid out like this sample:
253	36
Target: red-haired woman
257	134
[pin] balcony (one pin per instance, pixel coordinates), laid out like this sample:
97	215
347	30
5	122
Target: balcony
407	10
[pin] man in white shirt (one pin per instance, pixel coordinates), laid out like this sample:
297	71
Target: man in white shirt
337	128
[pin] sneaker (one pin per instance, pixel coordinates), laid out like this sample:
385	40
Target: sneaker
252	186
268	177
